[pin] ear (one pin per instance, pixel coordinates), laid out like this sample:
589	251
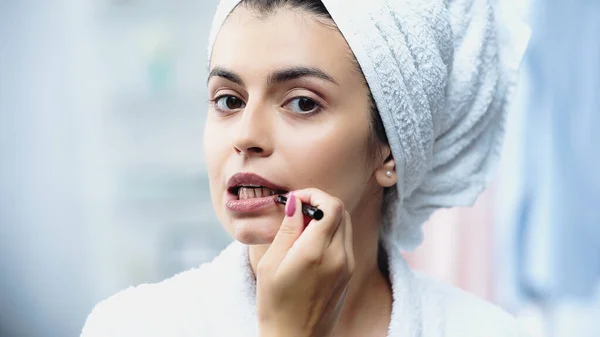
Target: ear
385	174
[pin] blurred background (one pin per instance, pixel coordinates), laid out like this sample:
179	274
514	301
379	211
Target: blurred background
103	184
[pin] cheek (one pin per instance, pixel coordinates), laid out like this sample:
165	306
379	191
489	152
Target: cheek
335	161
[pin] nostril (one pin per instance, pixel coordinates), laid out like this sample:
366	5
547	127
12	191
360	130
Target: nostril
258	151
255	149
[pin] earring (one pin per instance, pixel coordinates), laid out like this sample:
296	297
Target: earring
388	174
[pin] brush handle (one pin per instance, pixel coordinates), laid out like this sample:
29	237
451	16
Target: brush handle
308	210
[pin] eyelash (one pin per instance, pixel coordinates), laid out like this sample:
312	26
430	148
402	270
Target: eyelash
215	103
317	109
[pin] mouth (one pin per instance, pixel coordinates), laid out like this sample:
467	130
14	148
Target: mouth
251	192
248	193
250	186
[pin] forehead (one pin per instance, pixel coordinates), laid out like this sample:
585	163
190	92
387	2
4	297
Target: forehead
252	43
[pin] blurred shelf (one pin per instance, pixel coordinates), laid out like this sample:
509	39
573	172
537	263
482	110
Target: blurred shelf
161	189
145	105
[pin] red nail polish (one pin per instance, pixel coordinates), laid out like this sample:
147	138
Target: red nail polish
290	207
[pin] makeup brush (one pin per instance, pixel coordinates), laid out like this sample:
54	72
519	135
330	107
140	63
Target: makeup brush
308	210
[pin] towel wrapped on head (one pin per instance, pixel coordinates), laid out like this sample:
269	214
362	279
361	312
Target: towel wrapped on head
441	73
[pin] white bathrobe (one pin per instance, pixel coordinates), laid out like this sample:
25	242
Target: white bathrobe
218	299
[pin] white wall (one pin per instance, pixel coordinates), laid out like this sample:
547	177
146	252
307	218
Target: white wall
102	181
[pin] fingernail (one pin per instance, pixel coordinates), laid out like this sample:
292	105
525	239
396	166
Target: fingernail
290	207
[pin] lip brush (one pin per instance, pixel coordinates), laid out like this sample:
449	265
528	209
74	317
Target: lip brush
308	210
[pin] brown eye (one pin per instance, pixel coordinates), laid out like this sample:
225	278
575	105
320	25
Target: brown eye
306	104
303	105
229	102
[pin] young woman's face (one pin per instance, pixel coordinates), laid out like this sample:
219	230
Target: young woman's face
289	105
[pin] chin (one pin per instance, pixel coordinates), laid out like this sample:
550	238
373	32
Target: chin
254	231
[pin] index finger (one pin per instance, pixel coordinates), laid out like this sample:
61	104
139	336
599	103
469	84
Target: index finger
333	211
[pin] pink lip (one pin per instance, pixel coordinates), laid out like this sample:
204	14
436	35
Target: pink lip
234	204
248	205
251	179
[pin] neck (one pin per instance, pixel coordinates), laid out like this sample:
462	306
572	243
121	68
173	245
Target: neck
368	305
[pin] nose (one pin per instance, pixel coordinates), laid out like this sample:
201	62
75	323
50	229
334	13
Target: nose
253	135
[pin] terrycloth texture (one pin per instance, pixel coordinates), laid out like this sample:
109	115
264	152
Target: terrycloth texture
441	74
219	300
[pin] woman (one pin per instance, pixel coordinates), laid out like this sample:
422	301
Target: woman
375	112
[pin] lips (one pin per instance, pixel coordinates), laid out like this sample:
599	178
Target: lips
243	184
251	180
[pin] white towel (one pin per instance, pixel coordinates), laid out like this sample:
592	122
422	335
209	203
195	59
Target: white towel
219	300
441	73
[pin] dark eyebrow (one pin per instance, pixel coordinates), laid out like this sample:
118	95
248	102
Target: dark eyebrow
226	74
279	76
289	74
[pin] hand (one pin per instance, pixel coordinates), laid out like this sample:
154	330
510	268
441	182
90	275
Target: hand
303	276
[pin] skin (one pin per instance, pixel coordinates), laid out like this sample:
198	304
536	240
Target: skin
257	123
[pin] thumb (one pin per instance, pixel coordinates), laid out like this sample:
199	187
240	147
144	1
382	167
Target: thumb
290	229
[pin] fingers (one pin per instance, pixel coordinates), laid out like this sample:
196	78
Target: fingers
349	243
338	241
340	252
288	233
326	242
304	274
321	232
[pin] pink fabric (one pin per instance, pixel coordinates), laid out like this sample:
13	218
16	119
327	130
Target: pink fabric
458	247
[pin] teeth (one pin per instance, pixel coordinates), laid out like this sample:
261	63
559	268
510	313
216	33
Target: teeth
254	192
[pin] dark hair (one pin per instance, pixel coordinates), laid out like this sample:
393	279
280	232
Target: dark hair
269	6
316	7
